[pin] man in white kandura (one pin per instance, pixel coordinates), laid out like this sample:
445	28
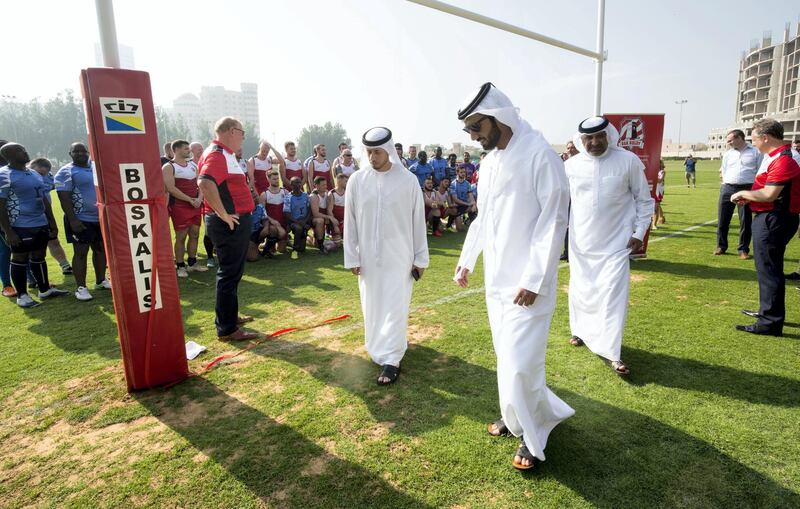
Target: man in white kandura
522	217
385	245
611	211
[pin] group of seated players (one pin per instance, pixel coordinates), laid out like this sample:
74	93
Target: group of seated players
302	202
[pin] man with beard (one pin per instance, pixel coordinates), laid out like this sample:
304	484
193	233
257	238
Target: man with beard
610	214
522	215
291	167
385	245
319	167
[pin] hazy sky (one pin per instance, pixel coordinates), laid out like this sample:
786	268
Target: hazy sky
394	63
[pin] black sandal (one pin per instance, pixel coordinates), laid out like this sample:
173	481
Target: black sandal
390	372
524	453
500	426
576	341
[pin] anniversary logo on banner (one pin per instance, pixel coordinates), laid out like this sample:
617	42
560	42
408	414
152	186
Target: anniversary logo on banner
641	133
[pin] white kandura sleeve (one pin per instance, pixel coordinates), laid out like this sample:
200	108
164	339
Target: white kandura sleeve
350	240
641	195
419	229
547	238
473	243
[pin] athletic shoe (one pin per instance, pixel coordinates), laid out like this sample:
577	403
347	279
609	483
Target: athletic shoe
52	292
210	263
9	291
82	293
26	301
196	268
103	285
182	272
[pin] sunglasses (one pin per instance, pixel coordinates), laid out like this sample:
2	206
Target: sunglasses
474	128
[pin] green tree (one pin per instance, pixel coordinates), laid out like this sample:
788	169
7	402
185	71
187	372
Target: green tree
251	140
46	129
329	135
170	128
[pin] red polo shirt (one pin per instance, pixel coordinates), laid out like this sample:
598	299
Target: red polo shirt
782	171
219	165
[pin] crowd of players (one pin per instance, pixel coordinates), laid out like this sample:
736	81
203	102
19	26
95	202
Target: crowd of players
297	202
302	202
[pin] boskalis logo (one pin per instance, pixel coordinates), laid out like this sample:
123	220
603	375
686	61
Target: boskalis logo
122	115
631	134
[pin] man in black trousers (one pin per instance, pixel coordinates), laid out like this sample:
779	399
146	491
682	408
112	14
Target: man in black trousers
775	200
227	208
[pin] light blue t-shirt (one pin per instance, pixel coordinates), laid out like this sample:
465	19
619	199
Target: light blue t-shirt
421	171
461	190
259	215
23	191
439	168
79	181
296	206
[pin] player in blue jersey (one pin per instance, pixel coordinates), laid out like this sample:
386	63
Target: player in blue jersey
27	223
76	192
5	253
42	166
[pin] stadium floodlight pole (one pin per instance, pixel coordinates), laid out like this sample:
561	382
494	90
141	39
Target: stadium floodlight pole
598	56
680	123
108	33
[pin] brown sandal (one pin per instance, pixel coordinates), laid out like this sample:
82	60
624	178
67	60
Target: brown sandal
500	427
576	341
620	368
524	453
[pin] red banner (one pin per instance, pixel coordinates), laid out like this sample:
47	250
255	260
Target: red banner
123	142
641	133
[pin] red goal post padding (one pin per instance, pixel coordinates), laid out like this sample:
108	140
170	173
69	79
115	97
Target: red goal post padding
123	141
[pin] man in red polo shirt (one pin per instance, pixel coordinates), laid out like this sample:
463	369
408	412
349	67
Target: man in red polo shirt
227	206
775	201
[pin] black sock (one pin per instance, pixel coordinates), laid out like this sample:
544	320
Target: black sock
180	264
19	277
39	269
192	261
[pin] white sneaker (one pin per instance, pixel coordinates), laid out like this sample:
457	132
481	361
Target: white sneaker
26	301
103	285
82	293
52	292
210	263
196	268
182	272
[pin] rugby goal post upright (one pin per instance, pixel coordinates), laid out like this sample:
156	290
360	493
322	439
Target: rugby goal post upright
123	140
599	55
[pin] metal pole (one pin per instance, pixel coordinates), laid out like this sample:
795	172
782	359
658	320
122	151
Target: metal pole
598	76
108	33
680	123
478	18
